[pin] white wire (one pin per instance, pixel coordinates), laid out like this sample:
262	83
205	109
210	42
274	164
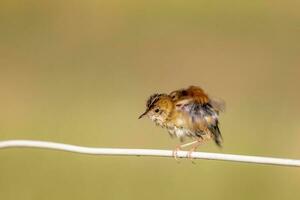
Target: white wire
148	152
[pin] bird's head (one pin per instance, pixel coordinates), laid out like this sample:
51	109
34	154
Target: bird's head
159	107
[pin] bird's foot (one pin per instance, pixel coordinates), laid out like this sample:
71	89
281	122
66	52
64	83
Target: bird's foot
189	155
175	152
194	148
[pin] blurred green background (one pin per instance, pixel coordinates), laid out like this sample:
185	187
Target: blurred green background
79	72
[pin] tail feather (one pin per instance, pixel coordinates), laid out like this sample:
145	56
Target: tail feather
217	134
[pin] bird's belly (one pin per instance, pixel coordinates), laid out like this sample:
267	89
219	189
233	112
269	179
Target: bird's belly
179	132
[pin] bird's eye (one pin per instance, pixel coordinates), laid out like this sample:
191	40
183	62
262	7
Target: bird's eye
156	110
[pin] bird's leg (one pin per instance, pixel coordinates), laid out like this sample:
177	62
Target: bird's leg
198	143
179	147
174	152
188	144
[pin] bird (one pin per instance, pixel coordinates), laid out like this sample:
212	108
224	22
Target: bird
187	113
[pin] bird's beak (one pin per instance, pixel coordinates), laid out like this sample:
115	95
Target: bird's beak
145	113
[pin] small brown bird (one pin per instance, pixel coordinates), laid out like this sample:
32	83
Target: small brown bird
187	113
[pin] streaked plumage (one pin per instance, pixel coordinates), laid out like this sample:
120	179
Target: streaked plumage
203	111
186	113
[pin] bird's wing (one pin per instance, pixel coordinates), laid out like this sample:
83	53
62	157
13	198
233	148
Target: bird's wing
202	119
217	104
203	114
198	94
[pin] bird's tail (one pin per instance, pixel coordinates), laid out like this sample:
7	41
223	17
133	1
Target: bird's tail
217	134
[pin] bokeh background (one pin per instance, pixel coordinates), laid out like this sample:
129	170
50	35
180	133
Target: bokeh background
79	72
